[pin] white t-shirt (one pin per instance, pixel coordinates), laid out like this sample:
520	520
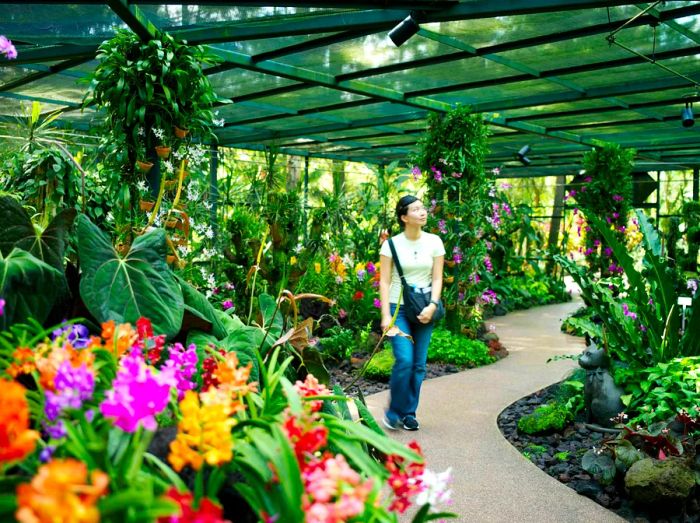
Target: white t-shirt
416	258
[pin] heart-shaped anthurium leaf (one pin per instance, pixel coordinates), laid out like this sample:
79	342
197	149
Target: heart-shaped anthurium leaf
29	287
18	230
126	288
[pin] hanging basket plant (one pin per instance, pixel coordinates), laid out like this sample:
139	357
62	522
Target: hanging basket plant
157	84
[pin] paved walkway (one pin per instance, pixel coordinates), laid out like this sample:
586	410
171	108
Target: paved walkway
492	481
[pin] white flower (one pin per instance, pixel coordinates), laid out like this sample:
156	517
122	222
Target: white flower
141	131
168	166
219	122
298	248
435	489
209	233
158	133
141	186
693	286
110	216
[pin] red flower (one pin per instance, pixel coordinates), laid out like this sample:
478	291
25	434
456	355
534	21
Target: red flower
404	478
305	437
208	511
358	295
144	328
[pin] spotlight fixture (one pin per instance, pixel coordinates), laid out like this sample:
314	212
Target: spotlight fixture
405	30
520	155
687	118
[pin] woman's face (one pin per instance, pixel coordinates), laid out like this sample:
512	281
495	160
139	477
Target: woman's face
416	214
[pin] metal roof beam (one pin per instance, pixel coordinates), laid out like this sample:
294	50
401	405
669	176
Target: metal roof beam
599	92
52	53
134	18
18	96
304	112
302	132
606	109
51	70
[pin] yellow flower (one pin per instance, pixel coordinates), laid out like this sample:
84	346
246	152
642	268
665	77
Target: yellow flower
317	268
293	260
204	432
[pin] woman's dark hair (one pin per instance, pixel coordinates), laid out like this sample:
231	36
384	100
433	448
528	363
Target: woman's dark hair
402	208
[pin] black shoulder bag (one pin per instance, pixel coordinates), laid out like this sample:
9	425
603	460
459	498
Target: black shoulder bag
414	300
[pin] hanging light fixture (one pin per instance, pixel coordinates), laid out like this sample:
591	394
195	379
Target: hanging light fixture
687	118
405	30
521	155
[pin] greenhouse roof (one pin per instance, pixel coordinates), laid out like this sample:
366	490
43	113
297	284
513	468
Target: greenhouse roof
559	76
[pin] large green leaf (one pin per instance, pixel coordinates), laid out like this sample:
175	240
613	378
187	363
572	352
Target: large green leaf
29	287
48	245
124	289
198	304
268	308
241	343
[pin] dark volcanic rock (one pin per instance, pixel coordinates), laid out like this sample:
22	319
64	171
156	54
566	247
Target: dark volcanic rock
561	459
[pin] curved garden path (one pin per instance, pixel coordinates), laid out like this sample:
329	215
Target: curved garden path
492	481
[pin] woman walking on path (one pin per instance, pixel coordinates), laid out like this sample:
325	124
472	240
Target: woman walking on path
421	256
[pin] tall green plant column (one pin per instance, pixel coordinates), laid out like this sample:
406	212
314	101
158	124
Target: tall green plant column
451	162
606	193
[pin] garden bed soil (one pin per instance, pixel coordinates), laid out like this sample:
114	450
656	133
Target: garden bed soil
345	374
576	439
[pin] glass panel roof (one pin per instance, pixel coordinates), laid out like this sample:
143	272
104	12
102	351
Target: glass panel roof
589	90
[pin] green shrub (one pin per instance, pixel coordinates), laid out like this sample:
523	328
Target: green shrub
660	392
570	392
545	418
446	347
379	367
338	343
579	322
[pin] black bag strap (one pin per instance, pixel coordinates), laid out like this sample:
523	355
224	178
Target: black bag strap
396	262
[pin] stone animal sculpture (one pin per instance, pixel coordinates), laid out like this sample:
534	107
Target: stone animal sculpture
601	395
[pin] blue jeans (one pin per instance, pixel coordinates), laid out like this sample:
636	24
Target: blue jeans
409	369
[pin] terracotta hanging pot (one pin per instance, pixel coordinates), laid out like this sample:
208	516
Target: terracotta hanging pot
146	205
143	166
450	263
449	279
163	151
181	133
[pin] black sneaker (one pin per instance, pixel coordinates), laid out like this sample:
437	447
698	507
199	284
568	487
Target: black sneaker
411	423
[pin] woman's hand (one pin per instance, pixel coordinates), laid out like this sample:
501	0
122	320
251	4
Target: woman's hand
426	315
386	321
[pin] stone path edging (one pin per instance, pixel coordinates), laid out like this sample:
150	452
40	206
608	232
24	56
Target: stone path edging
492	481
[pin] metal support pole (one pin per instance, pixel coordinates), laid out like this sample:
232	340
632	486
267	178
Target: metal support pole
214	189
555	221
658	199
696	183
306	197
